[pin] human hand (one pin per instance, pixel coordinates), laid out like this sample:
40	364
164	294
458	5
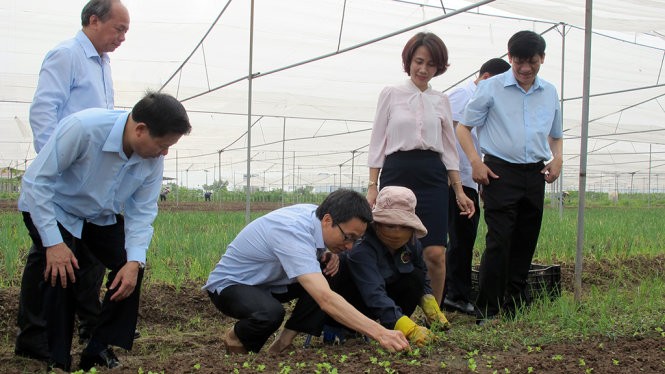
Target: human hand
466	206
393	340
552	170
482	173
125	281
417	335
433	313
331	262
60	263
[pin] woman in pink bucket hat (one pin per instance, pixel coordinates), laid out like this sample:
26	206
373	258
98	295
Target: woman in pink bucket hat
384	276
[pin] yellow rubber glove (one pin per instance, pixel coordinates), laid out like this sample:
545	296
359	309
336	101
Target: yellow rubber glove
417	335
433	313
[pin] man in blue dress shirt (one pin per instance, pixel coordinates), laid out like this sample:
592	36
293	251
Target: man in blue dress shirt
75	75
462	230
518	120
97	164
279	257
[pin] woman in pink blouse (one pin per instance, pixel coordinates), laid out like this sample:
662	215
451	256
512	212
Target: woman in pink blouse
413	145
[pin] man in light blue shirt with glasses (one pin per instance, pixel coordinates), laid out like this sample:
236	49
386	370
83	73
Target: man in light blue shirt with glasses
518	119
285	255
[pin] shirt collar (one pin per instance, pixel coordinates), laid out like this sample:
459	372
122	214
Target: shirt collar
509	80
114	141
88	48
412	86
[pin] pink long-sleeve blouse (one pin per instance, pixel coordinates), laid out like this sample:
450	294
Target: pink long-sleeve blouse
407	119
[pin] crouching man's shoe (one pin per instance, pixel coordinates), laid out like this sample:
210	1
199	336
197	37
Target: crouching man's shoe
105	358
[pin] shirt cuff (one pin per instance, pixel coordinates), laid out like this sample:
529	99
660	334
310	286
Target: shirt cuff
135	254
51	237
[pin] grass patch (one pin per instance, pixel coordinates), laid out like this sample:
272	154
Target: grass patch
616	310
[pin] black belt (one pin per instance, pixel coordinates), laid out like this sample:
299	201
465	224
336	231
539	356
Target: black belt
500	161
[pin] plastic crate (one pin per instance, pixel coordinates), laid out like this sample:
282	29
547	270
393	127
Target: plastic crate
543	280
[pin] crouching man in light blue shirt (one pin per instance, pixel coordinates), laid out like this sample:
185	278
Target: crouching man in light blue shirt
98	163
278	258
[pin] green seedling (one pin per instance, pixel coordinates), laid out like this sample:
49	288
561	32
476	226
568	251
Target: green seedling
472	364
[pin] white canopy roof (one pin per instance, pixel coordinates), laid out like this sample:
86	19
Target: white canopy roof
323	105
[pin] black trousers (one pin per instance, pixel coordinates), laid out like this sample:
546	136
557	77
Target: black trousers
260	313
459	253
513	207
117	320
32	337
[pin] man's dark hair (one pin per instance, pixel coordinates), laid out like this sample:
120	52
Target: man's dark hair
343	205
437	50
163	114
494	66
526	44
99	8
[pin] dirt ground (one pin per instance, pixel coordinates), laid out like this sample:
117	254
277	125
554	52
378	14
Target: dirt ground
181	333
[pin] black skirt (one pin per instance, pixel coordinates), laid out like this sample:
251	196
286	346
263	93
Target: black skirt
425	174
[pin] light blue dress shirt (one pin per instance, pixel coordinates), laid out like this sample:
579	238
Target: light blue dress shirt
458	98
82	174
272	251
513	124
73	77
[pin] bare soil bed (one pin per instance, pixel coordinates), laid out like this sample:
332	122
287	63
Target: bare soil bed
181	333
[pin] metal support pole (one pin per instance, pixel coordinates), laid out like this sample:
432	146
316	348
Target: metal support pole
583	151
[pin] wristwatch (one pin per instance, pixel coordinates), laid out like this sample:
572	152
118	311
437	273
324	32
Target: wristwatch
371	183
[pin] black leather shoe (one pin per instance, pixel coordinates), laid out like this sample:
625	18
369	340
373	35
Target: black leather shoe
458	306
105	358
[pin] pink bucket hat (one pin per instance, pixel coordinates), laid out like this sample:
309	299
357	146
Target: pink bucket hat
396	205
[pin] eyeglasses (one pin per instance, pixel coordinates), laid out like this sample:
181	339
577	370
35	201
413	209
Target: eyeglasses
349	238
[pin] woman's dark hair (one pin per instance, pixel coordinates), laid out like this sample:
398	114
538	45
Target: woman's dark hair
343	205
163	114
437	50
